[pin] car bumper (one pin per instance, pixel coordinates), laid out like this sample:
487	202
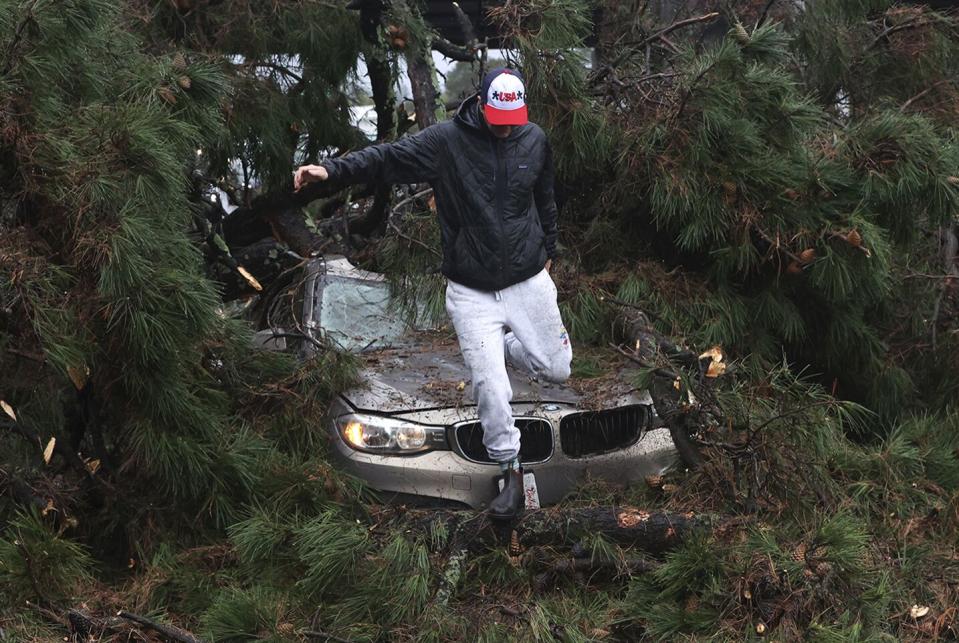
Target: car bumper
449	476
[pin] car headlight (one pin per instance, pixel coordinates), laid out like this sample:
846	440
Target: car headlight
377	434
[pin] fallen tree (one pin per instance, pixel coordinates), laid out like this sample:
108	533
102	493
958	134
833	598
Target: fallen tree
758	191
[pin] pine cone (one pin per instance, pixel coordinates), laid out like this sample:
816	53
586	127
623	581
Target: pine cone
184	82
799	554
399	43
807	255
515	549
179	62
794	268
166	93
740	34
854	238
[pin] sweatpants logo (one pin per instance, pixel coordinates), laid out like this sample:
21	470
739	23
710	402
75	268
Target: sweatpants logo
565	337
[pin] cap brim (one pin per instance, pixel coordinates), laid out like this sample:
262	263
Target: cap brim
505	116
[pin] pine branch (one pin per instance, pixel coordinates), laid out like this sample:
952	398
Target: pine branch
639	44
17	36
453	51
466	26
765	13
395	228
923	93
888	31
324	637
168	631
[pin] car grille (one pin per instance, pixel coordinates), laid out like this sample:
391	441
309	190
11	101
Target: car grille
536	440
595	432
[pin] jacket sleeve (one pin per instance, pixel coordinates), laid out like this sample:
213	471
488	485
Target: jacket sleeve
546	202
411	159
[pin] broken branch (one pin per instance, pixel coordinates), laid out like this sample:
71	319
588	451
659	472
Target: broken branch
168	631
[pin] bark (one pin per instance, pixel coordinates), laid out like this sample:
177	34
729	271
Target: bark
425	95
650	348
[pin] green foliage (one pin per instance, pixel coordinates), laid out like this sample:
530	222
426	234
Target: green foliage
38	562
548	36
213	472
330	548
795	219
254	614
411	260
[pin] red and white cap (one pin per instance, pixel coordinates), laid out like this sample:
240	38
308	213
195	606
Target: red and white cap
504	98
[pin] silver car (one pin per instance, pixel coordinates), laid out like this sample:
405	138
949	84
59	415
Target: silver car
411	430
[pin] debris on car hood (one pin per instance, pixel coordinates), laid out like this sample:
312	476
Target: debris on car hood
427	371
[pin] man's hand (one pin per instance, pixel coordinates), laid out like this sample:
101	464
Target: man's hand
308	174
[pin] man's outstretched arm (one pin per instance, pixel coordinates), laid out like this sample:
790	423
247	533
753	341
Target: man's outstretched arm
411	159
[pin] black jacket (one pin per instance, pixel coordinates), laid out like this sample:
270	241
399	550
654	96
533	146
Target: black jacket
494	196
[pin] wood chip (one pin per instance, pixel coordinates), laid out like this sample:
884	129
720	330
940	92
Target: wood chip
79	375
249	278
715	369
8	410
48	451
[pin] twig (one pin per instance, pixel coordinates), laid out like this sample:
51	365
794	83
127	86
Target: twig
950	249
29	564
753	432
909	102
323	636
778	246
168	631
36	357
410	199
888	31
641	44
662	372
396	228
275	67
762	16
689	91
583	565
312	340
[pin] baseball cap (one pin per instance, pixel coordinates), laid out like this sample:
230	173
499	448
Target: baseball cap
504	97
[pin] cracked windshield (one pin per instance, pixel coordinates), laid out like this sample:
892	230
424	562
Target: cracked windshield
356	314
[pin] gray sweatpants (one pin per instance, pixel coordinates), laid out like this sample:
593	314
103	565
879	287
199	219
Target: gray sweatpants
536	342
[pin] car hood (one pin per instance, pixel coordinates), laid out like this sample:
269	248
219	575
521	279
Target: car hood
427	372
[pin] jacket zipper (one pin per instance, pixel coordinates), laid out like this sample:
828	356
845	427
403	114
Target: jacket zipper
499	179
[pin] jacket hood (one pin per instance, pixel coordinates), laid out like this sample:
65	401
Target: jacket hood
467	115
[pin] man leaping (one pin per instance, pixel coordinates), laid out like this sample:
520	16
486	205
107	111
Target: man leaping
492	176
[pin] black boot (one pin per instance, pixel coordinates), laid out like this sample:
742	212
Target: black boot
511	501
